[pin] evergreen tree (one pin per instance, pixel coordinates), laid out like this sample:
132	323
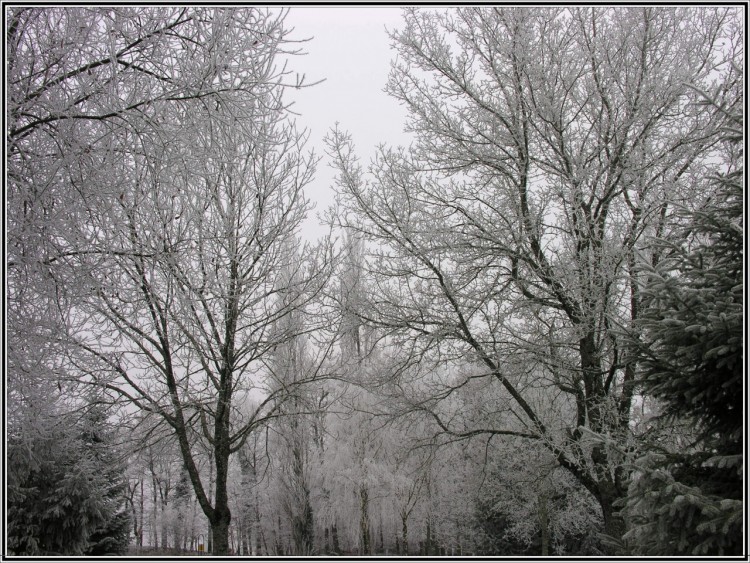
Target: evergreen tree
46	490
98	442
688	502
65	488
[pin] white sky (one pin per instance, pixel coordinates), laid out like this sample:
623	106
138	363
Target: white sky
351	50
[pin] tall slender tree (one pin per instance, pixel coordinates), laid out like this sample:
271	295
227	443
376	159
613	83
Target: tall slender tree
292	362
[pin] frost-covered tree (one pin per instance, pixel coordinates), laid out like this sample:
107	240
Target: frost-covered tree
155	175
529	505
549	144
99	442
409	482
181	504
290	364
688	500
66	484
248	497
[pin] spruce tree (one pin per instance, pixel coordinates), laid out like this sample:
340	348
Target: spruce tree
65	487
98	444
45	491
688	502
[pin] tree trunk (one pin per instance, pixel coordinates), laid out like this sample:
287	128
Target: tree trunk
382	540
246	542
206	509
428	539
220	532
607	491
544	522
592	379
302	522
302	528
257	529
164	523
364	519
221	515
140	519
405	533
278	538
614	525
154	507
335	539
133	510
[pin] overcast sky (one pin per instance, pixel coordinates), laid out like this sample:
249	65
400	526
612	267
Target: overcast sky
351	50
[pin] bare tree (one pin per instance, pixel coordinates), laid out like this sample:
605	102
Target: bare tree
550	144
292	362
186	312
156	182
